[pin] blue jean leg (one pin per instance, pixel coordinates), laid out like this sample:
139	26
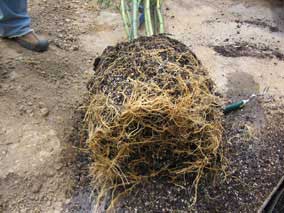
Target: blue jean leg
14	18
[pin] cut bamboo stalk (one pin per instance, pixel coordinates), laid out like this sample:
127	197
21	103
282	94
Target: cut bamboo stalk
135	18
125	18
155	19
160	16
129	16
148	20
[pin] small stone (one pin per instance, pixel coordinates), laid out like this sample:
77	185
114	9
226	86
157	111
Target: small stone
58	167
29	111
44	112
22	108
67	201
41	104
50	173
36	187
75	48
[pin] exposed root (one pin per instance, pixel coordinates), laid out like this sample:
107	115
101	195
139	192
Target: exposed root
152	113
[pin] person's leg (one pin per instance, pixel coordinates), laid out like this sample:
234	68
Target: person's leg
15	24
14	18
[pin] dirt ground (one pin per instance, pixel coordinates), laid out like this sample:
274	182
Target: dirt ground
240	42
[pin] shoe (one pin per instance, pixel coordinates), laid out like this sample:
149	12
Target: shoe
32	42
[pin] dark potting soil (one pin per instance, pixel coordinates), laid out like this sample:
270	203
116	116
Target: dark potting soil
256	164
260	23
245	49
127	61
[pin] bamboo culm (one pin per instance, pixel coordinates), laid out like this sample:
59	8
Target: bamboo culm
135	18
125	18
154	20
160	16
148	19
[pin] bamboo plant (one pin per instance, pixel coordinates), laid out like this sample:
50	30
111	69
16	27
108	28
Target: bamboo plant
151	12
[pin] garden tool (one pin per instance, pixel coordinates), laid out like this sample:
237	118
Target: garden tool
240	104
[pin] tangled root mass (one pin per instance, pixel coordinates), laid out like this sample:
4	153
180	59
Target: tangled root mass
152	113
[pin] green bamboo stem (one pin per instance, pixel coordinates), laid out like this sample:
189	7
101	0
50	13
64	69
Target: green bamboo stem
155	20
125	18
145	19
160	16
128	11
148	19
135	18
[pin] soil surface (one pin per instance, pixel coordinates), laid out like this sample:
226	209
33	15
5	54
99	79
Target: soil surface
241	49
241	43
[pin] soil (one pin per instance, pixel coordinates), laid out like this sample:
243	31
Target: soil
241	49
40	95
162	60
260	23
276	199
114	82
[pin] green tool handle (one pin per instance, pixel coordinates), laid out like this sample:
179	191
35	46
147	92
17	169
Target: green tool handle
235	106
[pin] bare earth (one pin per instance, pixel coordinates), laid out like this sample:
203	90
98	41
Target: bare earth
240	42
